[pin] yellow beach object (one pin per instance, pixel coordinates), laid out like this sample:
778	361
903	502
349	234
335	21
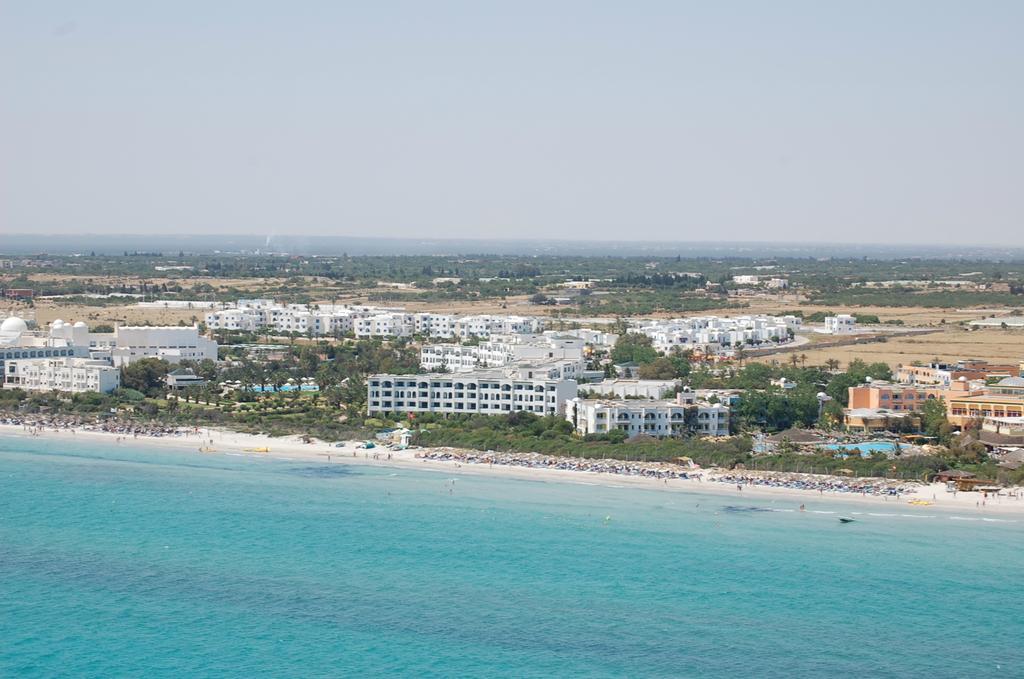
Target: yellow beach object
257	450
207	449
921	502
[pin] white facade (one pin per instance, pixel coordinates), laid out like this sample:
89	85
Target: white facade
485	392
363	321
252	315
130	343
746	280
632	388
17	342
596	338
505	350
172	344
659	418
484	326
76	375
842	324
716	332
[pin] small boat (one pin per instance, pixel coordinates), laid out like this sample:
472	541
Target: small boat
257	450
207	449
846	519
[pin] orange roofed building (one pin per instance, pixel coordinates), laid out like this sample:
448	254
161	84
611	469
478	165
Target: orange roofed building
904	397
961	410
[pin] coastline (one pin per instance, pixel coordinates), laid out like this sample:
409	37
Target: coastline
214	441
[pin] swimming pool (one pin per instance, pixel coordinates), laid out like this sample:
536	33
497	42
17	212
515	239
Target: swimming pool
865	448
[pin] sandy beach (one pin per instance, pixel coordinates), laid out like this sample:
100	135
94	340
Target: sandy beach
206	442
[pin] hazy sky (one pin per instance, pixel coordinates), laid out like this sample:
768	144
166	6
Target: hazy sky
833	121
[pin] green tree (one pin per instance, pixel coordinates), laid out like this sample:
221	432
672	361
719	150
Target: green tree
934	420
635	347
661	368
145	375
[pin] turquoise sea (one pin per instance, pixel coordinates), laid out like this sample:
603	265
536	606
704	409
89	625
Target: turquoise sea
120	561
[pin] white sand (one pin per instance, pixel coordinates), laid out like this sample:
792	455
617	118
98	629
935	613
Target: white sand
222	442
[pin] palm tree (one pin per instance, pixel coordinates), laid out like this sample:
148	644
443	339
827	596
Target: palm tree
803	360
793	360
832	364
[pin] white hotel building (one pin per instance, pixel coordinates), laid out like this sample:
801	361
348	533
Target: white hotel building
661	418
485	392
130	343
253	315
503	350
18	342
75	375
716	331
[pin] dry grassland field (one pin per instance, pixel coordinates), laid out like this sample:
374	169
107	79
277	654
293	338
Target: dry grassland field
951	343
45	312
911	316
513	304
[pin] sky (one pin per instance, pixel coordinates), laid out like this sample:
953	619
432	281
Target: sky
868	121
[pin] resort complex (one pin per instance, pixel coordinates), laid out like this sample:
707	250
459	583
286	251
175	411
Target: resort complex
478	354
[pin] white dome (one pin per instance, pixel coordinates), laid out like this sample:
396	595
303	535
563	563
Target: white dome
57	323
80	324
13	325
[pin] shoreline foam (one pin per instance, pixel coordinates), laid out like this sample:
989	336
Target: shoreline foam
294	448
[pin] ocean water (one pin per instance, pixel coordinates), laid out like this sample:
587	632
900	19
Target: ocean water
122	561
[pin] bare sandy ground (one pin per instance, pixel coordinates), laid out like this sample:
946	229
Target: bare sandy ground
222	442
952	343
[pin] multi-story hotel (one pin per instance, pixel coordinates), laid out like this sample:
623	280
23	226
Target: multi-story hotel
503	350
659	418
715	331
362	321
890	396
130	343
17	342
486	392
964	410
631	388
75	375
